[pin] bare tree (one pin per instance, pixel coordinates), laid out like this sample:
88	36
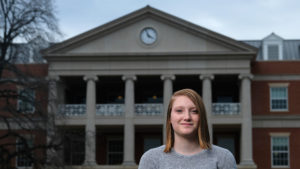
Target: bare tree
25	27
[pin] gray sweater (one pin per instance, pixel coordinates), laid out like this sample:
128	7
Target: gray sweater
214	158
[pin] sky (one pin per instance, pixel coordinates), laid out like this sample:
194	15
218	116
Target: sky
237	19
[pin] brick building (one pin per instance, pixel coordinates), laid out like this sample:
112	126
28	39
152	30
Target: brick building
112	84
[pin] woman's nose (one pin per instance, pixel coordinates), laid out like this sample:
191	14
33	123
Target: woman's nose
187	115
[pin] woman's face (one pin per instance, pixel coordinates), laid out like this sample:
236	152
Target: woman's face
184	117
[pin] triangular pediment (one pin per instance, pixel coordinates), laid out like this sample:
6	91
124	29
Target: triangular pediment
123	36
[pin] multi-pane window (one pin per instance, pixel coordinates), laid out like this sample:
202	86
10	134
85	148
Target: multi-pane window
22	147
26	98
115	151
151	142
273	52
279	98
280	151
74	148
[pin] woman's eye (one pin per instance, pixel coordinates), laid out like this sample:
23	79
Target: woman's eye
178	111
194	111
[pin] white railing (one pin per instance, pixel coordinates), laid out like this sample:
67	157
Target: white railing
226	108
149	109
72	109
110	109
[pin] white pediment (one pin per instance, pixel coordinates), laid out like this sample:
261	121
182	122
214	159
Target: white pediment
127	40
122	36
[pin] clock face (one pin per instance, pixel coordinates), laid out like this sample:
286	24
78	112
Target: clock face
148	36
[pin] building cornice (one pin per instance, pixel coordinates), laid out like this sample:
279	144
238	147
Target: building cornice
276	121
142	56
276	77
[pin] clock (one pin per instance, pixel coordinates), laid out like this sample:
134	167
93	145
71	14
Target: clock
148	35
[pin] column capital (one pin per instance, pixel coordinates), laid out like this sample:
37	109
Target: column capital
129	77
207	76
165	77
246	75
53	78
90	77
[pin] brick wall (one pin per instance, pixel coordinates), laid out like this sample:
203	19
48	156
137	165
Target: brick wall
262	146
261	97
275	67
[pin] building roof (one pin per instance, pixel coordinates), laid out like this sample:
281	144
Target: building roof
149	12
291	48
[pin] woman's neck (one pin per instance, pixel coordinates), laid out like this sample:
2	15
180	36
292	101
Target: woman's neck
186	146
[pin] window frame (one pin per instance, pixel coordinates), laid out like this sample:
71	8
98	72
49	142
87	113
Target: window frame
20	101
271	43
279	85
28	139
108	152
283	135
71	151
275	46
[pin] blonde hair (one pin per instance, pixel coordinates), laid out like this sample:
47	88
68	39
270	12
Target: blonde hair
202	134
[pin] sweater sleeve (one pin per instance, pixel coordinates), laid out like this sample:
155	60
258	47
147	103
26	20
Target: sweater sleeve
148	161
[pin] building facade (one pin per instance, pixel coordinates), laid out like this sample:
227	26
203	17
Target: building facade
110	89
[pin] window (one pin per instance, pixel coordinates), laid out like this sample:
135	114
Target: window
22	146
115	151
151	142
273	47
280	151
279	98
74	147
273	52
26	98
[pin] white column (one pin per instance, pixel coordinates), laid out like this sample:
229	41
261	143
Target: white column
207	99
90	128
246	135
129	131
168	91
52	155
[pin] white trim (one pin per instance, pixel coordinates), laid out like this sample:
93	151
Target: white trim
288	150
280	134
276	77
266	44
279	85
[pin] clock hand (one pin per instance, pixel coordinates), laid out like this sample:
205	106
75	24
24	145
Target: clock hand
149	35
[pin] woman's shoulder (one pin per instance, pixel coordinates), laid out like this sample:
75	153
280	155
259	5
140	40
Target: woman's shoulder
224	156
221	153
155	151
218	149
151	157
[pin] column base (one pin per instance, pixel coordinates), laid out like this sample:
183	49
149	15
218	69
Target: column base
249	164
90	163
128	163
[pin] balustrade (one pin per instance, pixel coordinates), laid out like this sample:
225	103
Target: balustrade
72	109
149	109
110	109
226	108
140	109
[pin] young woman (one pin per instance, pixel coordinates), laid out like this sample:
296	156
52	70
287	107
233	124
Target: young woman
188	143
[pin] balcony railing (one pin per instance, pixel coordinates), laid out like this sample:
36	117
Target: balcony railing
149	109
226	108
72	109
110	109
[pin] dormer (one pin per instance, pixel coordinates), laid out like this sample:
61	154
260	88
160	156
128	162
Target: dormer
273	47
